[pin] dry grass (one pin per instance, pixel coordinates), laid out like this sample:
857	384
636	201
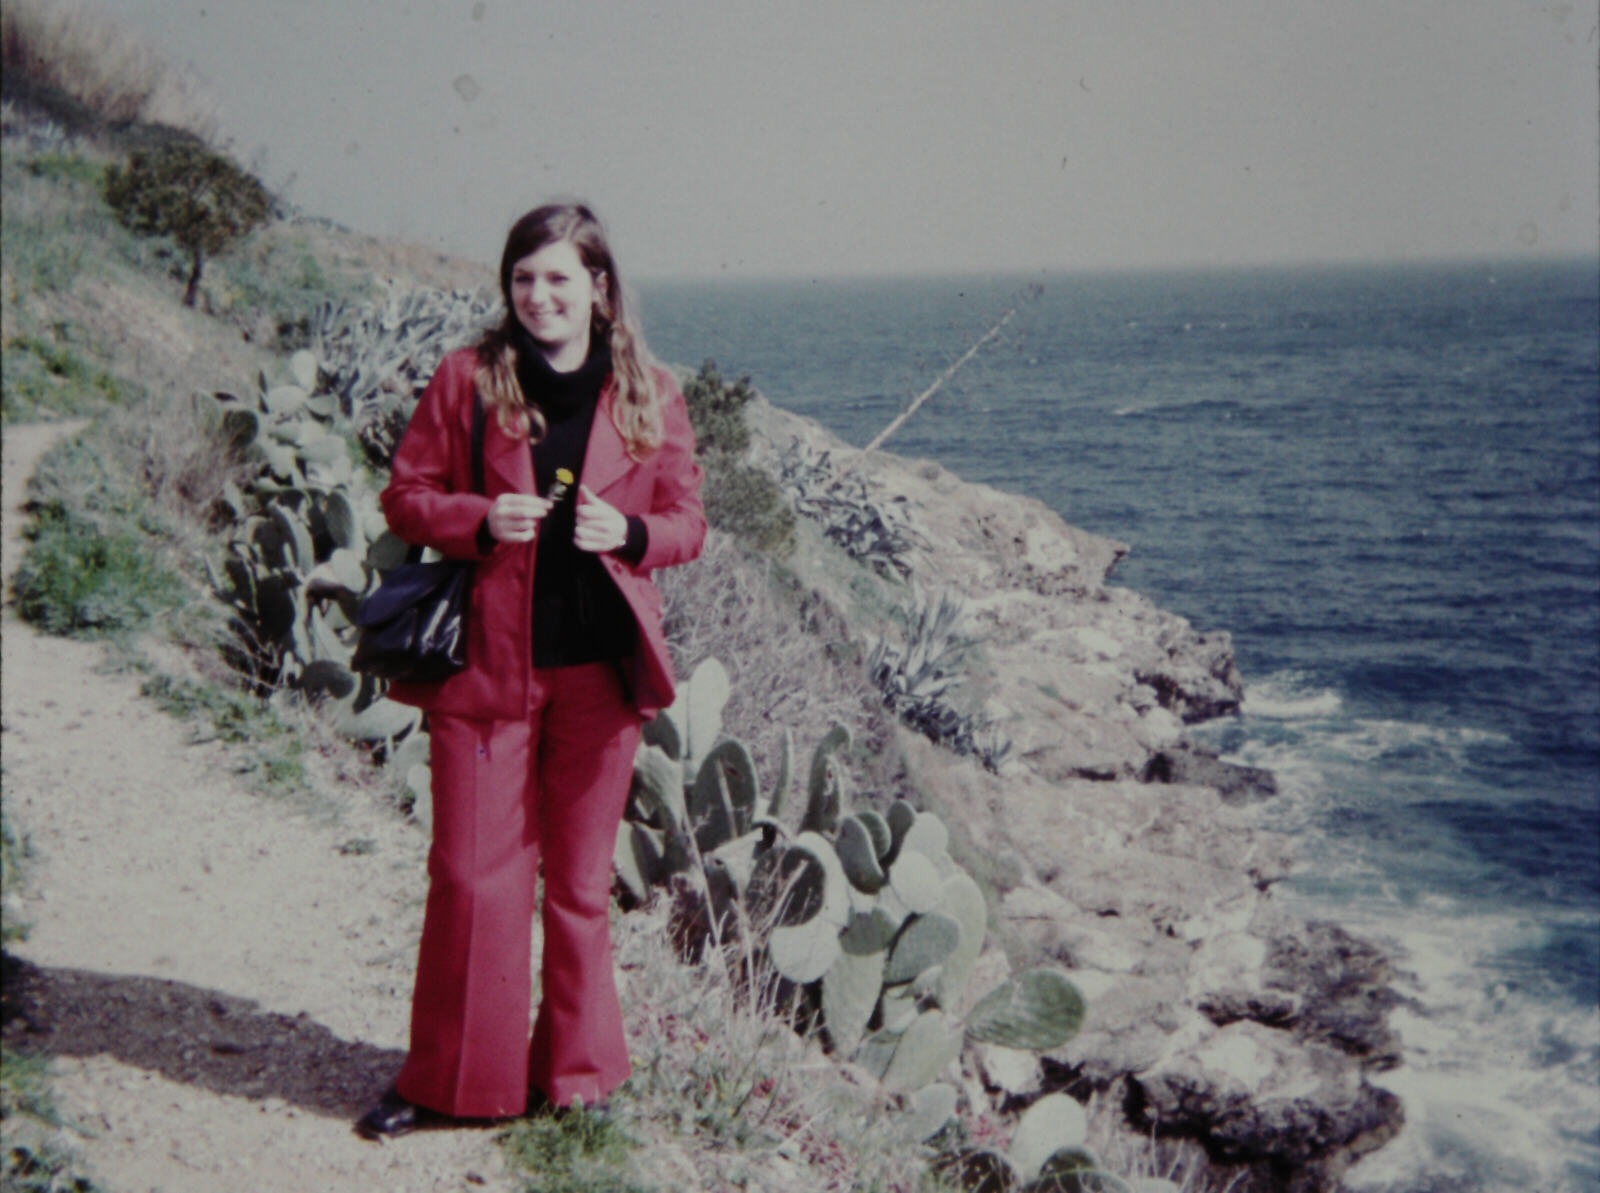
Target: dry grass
789	662
1135	1157
726	1095
82	50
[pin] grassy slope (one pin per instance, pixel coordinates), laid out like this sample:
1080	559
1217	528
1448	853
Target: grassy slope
94	328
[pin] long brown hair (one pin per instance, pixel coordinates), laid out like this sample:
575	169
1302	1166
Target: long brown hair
636	410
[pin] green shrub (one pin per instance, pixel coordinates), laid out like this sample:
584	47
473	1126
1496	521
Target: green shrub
275	753
72	167
716	408
31	1161
571	1152
747	503
44	377
199	198
25	1086
281	282
84	580
740	498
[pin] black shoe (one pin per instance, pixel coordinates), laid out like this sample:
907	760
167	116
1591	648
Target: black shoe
394	1116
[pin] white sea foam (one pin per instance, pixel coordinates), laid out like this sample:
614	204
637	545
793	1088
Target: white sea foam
1501	1079
1289	697
1481	1107
1365	740
1501	1086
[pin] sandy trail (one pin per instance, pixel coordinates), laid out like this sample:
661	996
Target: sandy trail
223	980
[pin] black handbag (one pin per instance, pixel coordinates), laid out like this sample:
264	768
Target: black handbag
414	626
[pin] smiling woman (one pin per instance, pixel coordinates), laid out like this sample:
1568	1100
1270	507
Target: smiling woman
553	297
532	744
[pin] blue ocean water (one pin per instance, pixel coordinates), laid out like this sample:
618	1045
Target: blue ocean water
1386	483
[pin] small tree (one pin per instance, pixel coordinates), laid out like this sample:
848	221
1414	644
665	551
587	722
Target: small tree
740	498
199	198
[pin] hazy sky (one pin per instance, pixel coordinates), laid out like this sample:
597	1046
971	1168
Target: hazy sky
826	138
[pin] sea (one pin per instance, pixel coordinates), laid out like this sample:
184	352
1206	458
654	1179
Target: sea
1384	481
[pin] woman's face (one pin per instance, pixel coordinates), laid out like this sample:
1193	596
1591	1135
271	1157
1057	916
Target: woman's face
553	296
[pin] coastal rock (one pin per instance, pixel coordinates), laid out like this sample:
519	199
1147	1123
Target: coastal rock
1234	783
1343	985
1010	1070
1260	1096
1119	848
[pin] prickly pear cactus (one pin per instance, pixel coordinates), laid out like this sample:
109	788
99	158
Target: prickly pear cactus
1053	1123
851	987
858	857
924	942
825	791
927	1046
1037	1010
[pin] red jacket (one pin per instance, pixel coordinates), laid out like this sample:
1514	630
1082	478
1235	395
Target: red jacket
430	501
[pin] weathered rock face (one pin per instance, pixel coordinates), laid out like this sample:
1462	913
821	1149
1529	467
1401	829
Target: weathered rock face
1299	1112
1118	849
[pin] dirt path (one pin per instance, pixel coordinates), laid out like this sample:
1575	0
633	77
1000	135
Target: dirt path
223	981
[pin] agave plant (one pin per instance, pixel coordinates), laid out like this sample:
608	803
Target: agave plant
877	532
918	680
379	356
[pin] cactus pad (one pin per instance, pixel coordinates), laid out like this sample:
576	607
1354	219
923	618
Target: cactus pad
858	856
804	952
780	789
867	932
1054	1122
927	835
824	791
1038	1010
924	941
788	884
659	782
699	710
324	677
732	758
927	1046
878	829
663	733
901	817
962	900
915	881
849	996
929	1109
876	1051
836	905
710	809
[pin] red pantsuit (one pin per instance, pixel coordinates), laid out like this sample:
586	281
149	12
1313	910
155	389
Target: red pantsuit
505	793
531	766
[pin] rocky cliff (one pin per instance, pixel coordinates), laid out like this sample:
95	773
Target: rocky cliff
1121	849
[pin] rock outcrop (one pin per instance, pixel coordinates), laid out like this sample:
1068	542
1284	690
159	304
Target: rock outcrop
1117	846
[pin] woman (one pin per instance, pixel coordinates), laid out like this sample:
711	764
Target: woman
533	742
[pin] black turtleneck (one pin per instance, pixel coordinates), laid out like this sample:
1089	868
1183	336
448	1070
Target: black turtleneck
579	615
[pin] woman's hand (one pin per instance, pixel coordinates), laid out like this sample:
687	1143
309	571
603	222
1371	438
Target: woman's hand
599	527
514	517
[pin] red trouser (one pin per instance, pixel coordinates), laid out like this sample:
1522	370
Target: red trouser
506	793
